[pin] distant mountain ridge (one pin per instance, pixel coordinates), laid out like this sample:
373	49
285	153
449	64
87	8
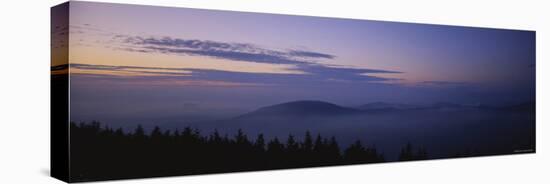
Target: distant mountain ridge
315	108
387	106
302	108
435	106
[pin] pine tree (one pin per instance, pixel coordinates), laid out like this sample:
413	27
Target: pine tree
291	144
307	145
139	132
260	142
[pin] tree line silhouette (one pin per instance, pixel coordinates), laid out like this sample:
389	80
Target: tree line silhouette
99	153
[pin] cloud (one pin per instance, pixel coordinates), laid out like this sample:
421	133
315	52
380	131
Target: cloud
445	83
302	53
229	55
310	65
126	70
317	74
278	79
220	50
340	70
59	67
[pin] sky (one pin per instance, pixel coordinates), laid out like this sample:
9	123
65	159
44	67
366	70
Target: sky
167	62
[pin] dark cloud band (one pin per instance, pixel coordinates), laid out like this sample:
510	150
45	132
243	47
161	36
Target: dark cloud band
318	73
221	50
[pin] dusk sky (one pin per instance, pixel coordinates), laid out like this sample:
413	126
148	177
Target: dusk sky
149	60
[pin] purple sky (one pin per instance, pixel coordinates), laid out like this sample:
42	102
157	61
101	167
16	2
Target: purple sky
128	59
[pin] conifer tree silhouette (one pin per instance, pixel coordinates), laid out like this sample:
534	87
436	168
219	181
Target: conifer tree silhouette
101	152
407	153
260	142
307	145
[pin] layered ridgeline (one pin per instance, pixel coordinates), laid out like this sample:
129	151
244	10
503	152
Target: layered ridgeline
302	134
445	128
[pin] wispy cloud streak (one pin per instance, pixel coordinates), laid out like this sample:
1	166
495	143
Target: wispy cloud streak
229	76
221	50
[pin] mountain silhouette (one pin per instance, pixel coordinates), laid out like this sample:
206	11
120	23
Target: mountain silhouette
316	116
442	105
387	106
301	108
524	107
394	107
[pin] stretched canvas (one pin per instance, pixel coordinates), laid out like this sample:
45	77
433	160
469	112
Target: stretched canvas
147	91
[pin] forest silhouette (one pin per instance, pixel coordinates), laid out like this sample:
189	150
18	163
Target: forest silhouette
101	152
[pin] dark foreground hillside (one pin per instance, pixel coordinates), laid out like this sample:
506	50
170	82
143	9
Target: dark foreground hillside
100	153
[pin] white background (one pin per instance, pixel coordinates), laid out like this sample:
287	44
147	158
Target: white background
24	91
